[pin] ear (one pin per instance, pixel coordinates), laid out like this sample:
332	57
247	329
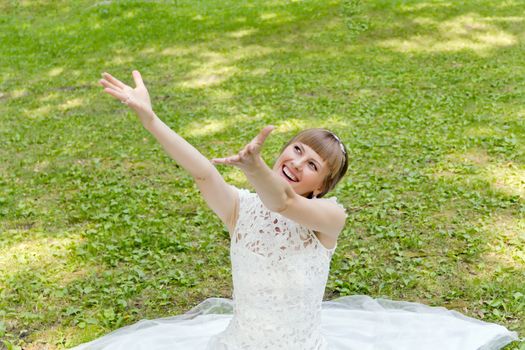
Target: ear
320	189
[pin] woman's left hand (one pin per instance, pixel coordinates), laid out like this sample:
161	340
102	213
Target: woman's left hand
248	159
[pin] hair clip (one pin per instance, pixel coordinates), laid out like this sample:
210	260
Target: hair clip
340	143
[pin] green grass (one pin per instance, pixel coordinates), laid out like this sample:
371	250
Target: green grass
100	228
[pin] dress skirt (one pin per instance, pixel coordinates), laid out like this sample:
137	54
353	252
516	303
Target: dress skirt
356	322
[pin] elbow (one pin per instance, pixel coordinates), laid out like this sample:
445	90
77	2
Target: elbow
204	175
201	177
280	210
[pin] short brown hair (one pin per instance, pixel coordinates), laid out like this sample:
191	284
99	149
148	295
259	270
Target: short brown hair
326	144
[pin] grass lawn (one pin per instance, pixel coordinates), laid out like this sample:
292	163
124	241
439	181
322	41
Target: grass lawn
99	228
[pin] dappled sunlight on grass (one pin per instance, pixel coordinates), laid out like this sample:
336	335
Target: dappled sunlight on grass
219	95
70	335
215	70
242	33
118	60
248	51
479	157
73	103
40	166
267	16
130	14
290	125
457	163
205	127
198	18
258	72
424	6
277	18
334	123
121	56
202	128
18	93
38	113
175	51
209	76
503	231
55	71
470	32
310	39
511	19
218	67
49	97
506	246
509	178
42	253
481	130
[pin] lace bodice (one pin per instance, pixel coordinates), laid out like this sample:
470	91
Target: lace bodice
280	270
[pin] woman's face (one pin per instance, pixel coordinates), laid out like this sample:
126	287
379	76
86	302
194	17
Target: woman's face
307	168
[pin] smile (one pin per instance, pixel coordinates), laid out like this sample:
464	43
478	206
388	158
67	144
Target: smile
288	174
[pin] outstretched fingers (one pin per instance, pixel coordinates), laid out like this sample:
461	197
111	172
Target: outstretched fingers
258	141
234	159
114	80
264	134
248	151
219	160
107	84
227	160
117	94
137	78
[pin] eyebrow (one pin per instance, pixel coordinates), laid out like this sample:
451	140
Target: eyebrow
315	160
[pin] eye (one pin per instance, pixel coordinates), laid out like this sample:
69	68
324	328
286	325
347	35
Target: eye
314	166
297	147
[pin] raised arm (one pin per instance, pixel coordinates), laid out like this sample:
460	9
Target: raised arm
219	196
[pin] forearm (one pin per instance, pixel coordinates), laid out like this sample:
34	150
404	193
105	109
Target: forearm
177	147
272	189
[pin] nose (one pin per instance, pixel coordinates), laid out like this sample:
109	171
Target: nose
296	164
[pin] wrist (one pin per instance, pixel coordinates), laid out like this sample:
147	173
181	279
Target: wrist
256	168
147	117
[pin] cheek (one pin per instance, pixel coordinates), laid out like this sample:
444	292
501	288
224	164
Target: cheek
320	177
313	176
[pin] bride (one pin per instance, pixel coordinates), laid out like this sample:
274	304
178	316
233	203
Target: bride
282	239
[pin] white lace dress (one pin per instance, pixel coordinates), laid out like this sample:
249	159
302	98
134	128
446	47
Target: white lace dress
280	270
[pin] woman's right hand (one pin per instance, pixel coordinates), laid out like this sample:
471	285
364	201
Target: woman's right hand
137	98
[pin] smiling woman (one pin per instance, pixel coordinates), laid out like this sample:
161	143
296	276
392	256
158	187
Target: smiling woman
315	158
279	268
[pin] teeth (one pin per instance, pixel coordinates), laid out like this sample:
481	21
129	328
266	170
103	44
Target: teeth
287	172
